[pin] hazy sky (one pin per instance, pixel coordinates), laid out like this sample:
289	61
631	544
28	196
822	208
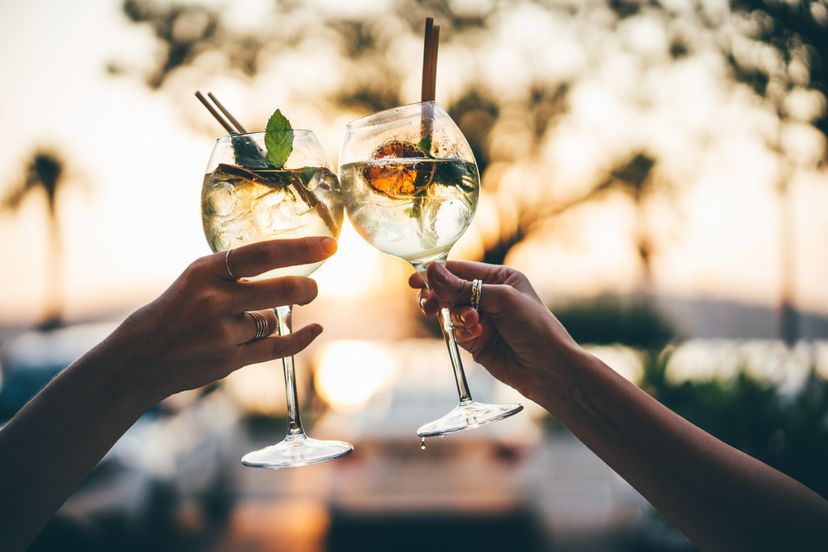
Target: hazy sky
131	214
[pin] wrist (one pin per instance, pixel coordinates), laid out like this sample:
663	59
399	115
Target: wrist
564	384
109	369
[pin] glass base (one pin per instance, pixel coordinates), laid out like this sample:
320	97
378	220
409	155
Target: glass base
468	415
295	451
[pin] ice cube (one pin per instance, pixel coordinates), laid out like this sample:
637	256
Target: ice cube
449	220
315	181
235	232
220	199
265	208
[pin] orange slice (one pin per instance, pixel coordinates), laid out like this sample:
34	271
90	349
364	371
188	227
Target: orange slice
399	179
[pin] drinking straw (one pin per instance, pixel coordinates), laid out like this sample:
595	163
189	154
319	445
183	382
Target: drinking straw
227	114
214	113
429	62
431	39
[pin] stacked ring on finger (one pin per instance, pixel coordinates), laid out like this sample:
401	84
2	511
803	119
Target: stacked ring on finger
262	326
476	290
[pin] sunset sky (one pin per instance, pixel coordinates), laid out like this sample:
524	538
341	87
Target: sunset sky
130	211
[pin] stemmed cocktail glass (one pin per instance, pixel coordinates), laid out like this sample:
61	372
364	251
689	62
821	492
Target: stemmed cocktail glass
410	185
244	204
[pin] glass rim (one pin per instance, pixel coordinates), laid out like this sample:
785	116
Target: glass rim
300	131
365	120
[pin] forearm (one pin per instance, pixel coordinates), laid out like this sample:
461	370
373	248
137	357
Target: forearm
718	496
57	439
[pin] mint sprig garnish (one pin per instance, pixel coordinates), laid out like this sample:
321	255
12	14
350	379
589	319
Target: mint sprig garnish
268	167
278	142
278	139
247	153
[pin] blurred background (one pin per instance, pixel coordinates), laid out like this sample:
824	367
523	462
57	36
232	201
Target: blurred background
656	168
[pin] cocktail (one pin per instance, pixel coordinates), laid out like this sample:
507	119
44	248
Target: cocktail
274	185
410	185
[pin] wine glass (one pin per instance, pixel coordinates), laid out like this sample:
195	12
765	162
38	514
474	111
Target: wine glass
410	186
245	200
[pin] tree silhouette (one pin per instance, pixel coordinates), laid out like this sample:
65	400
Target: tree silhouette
634	178
45	173
371	71
796	31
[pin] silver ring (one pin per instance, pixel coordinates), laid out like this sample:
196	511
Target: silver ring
262	327
476	291
227	265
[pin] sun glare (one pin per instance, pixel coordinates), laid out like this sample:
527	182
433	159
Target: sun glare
354	270
348	373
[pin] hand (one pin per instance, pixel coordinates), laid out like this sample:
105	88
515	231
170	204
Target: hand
512	334
197	331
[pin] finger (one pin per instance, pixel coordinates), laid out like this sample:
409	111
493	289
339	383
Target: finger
494	298
416	281
448	287
248	326
492	274
464	317
257	258
469	270
279	346
464	335
429	303
274	292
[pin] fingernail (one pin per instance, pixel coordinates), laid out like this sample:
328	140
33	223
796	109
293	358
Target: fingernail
328	245
463	318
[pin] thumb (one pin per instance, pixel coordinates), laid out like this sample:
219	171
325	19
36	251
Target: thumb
448	287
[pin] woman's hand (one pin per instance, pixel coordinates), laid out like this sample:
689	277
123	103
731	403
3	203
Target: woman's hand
198	332
719	497
512	334
195	333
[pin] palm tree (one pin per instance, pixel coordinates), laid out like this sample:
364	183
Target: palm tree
45	173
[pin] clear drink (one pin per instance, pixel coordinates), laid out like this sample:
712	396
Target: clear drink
240	206
413	208
410	185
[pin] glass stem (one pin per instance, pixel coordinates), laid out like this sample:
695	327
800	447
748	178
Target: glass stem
454	353
444	316
283	317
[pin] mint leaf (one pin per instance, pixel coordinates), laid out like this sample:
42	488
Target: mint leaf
424	145
247	153
278	139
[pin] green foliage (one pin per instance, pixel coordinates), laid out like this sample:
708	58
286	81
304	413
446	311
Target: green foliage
609	319
797	31
787	432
